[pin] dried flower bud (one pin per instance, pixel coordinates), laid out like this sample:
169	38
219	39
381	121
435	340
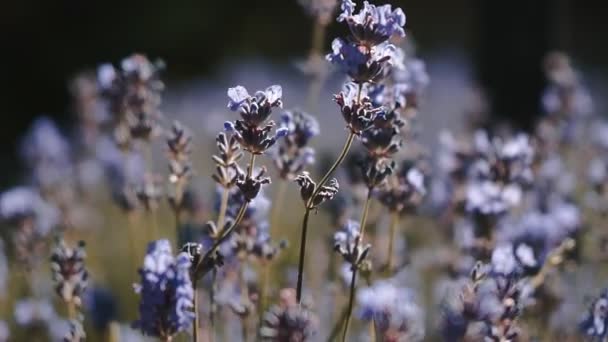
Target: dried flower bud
357	109
308	188
250	186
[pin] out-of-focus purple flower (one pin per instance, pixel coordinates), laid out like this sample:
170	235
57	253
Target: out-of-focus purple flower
347	243
292	155
322	10
595	322
34	311
373	24
166	292
489	198
46	152
5	332
405	192
393	310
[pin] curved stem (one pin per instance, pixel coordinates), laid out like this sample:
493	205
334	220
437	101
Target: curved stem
351	300
302	255
341	156
225	234
353	287
391	240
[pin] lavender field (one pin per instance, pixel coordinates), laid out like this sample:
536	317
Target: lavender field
358	193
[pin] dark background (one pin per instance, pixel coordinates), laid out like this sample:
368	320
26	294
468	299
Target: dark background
45	43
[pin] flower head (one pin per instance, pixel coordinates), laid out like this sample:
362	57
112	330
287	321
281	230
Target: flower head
393	310
253	131
373	24
357	108
166	292
359	62
347	242
595	322
69	272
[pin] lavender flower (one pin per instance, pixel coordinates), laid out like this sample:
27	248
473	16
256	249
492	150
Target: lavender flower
594	324
69	273
348	244
393	310
252	131
373	25
166	292
361	63
357	109
405	192
288	321
133	97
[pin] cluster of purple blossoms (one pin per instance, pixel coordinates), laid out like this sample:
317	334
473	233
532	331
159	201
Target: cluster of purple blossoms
166	292
253	131
393	310
132	93
498	174
347	242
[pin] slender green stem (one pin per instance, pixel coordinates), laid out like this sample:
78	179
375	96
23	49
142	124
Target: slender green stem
332	169
391	240
353	287
251	164
195	325
351	300
224	235
302	255
212	305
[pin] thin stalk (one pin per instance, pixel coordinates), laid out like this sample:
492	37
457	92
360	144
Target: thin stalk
195	325
302	255
308	208
351	300
391	240
332	169
220	225
353	288
212	305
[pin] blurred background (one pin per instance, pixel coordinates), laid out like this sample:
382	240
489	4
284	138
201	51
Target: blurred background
498	45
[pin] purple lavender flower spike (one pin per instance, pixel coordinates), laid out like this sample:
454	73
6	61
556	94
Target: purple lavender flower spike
166	292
